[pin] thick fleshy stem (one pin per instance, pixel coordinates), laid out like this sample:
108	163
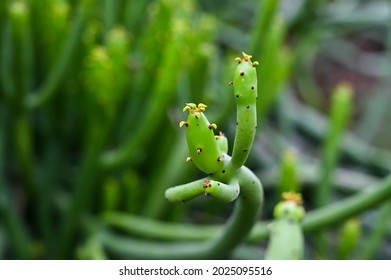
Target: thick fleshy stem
245	214
314	220
286	238
228	178
245	91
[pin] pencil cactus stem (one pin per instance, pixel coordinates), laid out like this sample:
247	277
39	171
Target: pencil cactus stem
185	192
217	190
286	239
223	142
222	192
245	92
203	146
228	178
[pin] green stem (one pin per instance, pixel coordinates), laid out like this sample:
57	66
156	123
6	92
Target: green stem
340	112
339	116
110	13
49	88
16	232
154	229
265	14
171	171
349	207
221	245
163	92
314	220
24	153
308	174
6	65
83	192
135	10
378	233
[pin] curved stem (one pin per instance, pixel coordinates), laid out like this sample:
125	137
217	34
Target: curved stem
48	89
348	207
245	214
313	221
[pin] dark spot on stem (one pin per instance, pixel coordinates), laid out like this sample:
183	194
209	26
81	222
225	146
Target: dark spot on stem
223	171
241	73
237	123
237	96
245	151
248	107
252	88
183	201
218	184
253	182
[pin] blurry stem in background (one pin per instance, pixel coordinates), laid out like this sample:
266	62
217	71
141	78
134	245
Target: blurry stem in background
54	78
110	14
339	117
379	231
162	95
173	168
314	220
19	15
378	234
134	11
344	180
52	169
16	233
277	60
307	14
265	15
132	191
82	194
306	51
7	78
315	124
288	174
349	238
220	245
24	150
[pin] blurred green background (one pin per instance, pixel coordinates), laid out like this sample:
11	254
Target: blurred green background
92	91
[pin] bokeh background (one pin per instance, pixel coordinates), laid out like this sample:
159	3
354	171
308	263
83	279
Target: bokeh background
92	91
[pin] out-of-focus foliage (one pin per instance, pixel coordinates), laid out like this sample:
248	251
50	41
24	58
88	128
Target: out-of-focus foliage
91	93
